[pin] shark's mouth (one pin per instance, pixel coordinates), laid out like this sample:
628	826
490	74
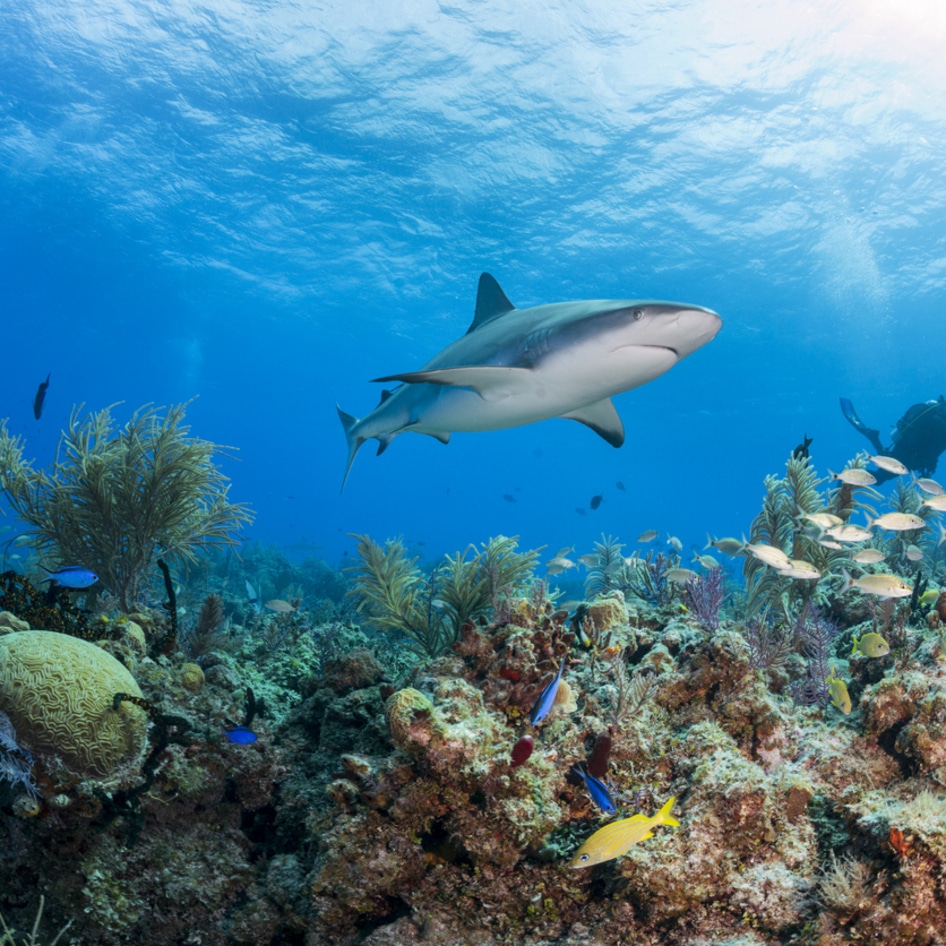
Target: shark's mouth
669	348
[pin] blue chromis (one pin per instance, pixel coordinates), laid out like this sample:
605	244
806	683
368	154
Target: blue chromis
71	576
598	791
543	705
870	645
619	837
837	689
241	735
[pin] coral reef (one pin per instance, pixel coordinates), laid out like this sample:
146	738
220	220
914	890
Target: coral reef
383	794
115	496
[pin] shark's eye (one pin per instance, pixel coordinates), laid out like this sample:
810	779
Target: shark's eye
638	314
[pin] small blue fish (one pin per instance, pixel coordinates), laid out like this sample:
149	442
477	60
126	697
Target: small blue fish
543	705
71	576
241	735
598	791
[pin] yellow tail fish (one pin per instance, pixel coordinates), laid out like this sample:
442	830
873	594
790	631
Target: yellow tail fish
619	837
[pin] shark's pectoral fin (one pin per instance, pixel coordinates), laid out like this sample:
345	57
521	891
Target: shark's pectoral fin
491	382
602	417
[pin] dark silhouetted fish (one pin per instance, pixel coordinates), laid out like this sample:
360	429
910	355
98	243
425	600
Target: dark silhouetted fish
596	501
620	486
580	511
40	397
801	451
509	498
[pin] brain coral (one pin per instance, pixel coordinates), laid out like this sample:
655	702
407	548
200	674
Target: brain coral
58	691
410	718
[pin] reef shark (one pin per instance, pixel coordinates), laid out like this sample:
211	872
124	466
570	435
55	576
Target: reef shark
517	366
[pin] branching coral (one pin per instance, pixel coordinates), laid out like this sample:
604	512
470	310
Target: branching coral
781	523
10	937
603	576
769	647
814	637
430	609
114	497
397	595
704	595
644	577
630	692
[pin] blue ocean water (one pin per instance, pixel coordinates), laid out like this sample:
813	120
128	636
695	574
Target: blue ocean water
265	205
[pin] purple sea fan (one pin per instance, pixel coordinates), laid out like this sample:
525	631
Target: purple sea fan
704	598
814	638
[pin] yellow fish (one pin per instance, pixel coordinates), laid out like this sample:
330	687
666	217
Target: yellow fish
839	695
619	837
883	585
871	644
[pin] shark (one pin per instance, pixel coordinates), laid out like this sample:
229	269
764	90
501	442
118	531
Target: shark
519	366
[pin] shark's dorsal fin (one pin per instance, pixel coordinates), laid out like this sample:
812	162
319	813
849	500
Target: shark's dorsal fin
601	417
491	302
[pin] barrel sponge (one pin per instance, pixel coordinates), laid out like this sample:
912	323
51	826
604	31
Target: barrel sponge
58	692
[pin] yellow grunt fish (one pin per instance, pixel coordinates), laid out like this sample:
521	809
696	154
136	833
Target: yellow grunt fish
680	576
890	464
727	545
849	533
823	520
897	522
868	556
619	837
800	569
854	477
929	486
882	585
707	561
769	554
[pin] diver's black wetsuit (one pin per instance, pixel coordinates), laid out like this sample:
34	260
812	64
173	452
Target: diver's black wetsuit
917	442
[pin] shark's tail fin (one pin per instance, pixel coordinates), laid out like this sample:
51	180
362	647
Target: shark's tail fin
354	441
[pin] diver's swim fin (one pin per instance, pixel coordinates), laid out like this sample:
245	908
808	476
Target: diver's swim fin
847	408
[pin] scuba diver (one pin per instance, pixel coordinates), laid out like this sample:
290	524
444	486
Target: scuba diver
917	442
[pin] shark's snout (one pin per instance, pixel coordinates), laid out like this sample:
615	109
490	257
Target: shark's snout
691	328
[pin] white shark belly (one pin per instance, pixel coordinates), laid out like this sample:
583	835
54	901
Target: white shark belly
560	385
